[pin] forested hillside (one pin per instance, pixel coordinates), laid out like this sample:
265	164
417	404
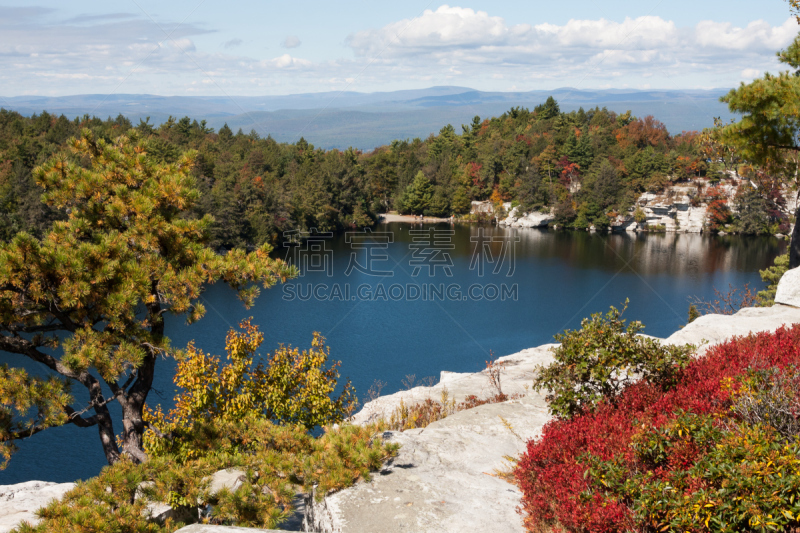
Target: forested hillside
587	165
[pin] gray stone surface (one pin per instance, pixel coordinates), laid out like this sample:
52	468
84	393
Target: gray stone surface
788	292
199	528
230	479
19	502
444	478
713	329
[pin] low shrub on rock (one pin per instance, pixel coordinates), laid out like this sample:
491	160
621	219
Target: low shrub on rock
276	460
598	361
708	454
239	414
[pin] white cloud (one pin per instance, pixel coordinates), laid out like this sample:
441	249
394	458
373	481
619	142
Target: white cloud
631	34
758	35
445	27
286	61
129	53
292	41
478	44
751	73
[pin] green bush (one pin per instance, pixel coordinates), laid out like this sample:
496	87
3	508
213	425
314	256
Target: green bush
771	276
277	460
603	357
239	414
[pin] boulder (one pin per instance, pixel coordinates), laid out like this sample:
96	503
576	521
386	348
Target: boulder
527	220
19	502
231	479
788	292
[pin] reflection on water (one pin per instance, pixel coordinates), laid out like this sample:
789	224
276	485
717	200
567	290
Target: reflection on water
560	277
645	253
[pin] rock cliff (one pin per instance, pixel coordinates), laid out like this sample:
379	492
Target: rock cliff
678	208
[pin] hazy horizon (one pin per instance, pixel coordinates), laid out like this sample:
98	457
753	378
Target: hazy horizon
368	120
248	48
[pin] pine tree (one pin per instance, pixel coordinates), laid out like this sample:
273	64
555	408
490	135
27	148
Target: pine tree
88	300
768	134
419	194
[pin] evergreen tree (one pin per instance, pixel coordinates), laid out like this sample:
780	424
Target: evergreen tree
88	300
547	110
532	191
418	196
769	132
606	185
751	211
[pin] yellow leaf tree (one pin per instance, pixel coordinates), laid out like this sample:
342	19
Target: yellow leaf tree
291	386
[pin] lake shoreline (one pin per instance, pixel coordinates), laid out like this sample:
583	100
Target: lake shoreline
411	219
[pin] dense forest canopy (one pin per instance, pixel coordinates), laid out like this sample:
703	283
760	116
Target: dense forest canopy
588	166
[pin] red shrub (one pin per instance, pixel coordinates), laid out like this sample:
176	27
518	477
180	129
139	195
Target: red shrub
551	474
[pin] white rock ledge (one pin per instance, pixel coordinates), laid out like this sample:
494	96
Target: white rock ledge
19	502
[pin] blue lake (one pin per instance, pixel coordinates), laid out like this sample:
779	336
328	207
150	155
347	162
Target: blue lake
420	299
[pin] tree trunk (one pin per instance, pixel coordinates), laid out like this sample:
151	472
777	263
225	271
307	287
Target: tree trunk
133	431
794	245
133	401
107	438
105	425
133	408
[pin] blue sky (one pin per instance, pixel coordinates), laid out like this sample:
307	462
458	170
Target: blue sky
263	47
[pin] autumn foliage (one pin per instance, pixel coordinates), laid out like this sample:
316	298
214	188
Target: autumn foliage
292	387
683	459
240	413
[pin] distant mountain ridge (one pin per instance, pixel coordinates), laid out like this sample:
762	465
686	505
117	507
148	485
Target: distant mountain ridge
366	120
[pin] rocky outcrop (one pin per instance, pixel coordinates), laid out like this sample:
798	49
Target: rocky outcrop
788	292
444	478
671	209
481	208
199	528
19	502
708	330
516	378
536	219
